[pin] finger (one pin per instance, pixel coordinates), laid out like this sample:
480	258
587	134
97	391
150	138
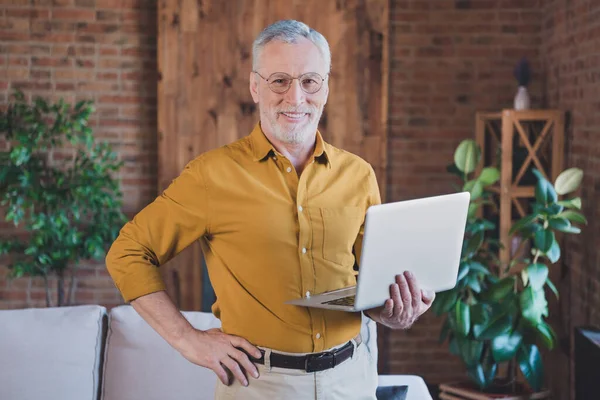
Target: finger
235	369
405	295
396	297
428	296
221	373
237	341
388	310
415	290
244	361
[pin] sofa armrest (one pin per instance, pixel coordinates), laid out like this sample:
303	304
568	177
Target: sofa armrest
417	389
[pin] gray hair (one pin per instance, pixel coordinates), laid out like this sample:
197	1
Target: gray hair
288	31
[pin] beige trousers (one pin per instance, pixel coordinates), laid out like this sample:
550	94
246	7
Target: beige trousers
354	379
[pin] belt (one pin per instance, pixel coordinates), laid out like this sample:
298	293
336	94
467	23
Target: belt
313	362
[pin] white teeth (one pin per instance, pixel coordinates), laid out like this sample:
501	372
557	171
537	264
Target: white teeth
294	115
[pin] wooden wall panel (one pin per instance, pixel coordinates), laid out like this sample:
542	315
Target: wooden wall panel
204	61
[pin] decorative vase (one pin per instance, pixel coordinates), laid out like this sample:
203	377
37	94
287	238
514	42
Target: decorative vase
522	101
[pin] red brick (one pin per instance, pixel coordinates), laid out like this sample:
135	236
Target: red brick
51	62
73	74
64	86
74	14
109	51
107	76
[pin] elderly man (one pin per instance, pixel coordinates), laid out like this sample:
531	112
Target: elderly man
279	214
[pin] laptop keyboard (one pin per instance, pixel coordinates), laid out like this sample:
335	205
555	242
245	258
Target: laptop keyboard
343	301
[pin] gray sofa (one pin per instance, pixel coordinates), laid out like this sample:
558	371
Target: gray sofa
85	353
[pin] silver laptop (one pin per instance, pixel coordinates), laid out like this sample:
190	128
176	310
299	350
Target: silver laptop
424	236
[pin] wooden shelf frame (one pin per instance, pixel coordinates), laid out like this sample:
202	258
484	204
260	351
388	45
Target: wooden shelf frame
533	129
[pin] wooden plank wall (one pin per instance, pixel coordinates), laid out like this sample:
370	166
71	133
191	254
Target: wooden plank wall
204	61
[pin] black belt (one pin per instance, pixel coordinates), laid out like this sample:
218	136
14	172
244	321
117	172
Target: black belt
313	362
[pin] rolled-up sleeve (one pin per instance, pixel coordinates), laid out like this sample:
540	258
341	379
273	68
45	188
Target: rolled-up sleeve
373	197
174	220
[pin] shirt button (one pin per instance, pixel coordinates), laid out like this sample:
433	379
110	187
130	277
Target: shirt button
274	158
304	250
318	336
300	208
289	169
307	294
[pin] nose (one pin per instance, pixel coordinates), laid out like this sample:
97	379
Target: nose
295	95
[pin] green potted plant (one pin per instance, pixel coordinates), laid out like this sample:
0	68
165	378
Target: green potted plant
56	187
495	316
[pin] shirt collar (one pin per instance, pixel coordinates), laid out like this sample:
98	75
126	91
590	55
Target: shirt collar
262	148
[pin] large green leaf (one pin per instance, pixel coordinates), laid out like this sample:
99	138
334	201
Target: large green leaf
533	305
467	156
473	244
484	372
505	346
571	203
522	223
444	301
476	266
546	334
552	287
470	350
530	363
496	325
463	318
489	176
463	270
573	216
455	171
531	229
472	212
563	225
475	188
544	192
543	240
568	180
552	210
537	274
553	253
473	283
498	291
479	314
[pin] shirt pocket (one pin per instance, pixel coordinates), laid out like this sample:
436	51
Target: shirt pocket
340	229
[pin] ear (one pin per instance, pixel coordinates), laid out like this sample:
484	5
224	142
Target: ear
254	87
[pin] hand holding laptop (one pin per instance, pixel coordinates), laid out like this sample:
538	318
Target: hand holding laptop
407	302
424	236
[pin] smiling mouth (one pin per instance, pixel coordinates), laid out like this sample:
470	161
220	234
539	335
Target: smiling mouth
294	115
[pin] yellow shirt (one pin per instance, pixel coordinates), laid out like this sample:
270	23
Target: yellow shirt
268	236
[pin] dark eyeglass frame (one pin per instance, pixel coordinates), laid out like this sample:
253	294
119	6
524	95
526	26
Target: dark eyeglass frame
291	78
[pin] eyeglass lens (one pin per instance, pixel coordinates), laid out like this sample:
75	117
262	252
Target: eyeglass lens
280	82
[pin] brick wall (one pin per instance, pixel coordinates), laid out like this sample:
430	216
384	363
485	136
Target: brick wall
104	50
449	59
571	59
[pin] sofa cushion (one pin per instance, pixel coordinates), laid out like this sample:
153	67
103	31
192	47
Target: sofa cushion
52	352
139	364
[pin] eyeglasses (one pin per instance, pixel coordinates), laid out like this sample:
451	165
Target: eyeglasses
280	82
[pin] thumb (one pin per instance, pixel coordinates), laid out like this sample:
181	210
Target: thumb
428	296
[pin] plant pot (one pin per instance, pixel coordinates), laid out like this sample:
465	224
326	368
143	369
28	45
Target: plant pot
468	391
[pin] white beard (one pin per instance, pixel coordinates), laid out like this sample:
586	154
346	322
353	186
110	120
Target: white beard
295	133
